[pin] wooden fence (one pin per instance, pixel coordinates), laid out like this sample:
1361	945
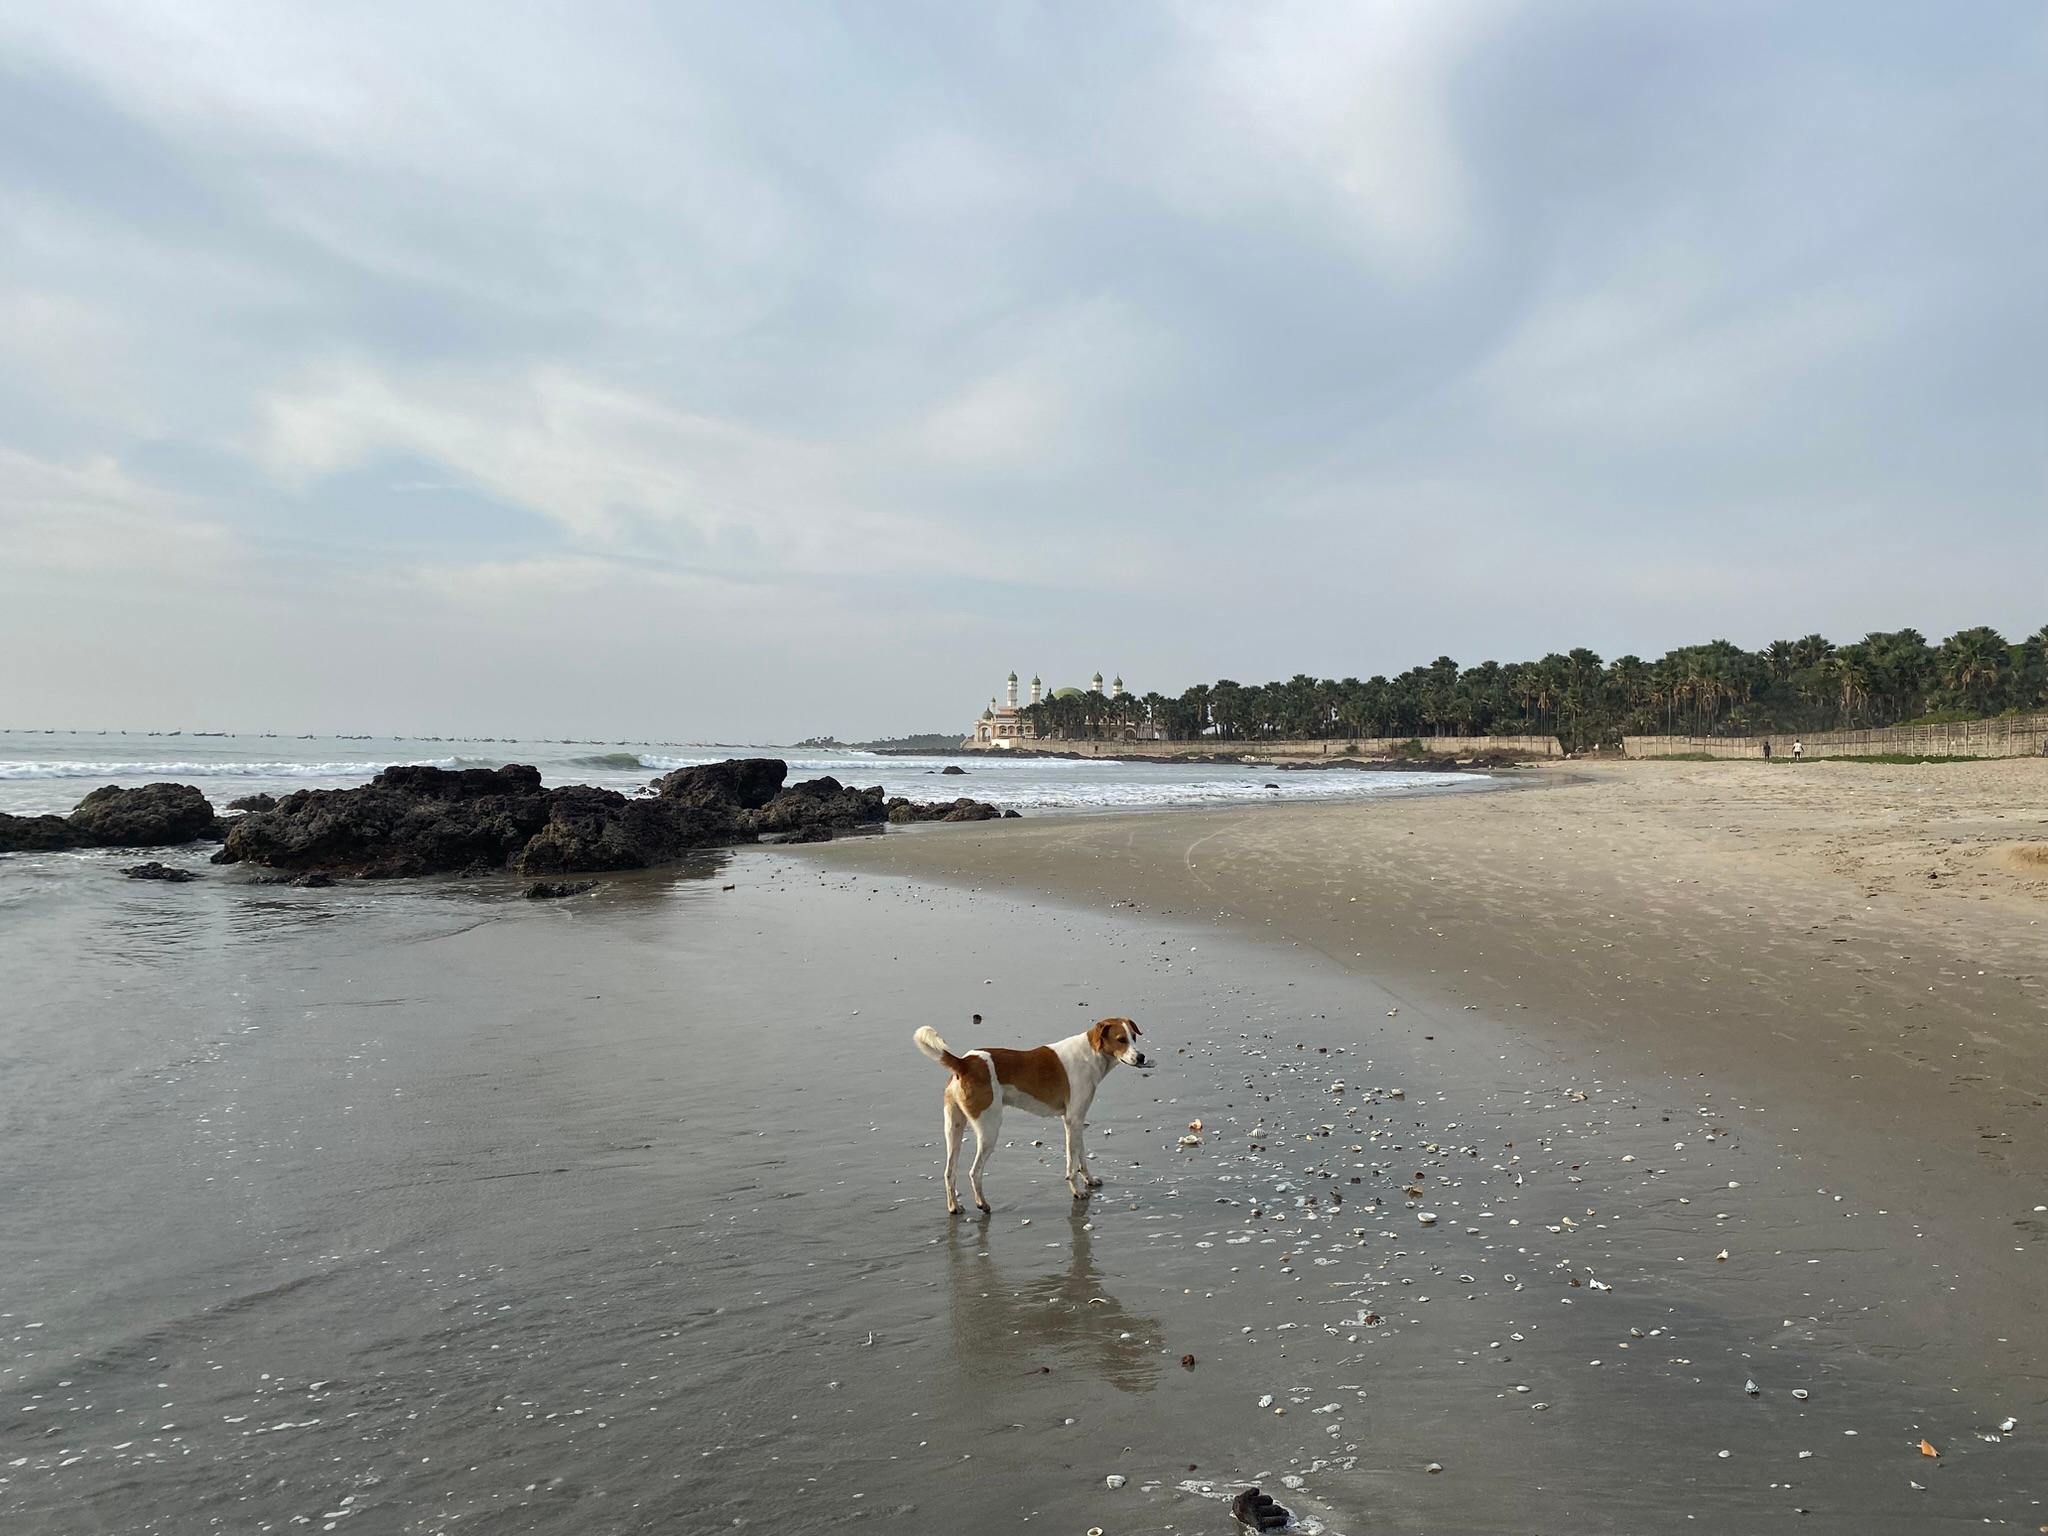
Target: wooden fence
2007	736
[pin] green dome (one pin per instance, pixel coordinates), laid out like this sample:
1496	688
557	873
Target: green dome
1066	693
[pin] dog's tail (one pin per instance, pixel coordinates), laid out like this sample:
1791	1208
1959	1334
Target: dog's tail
929	1042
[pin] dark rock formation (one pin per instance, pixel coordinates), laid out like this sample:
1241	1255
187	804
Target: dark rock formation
418	821
952	768
554	890
738	784
156	871
901	810
589	829
149	817
406	821
255	802
33	834
819	803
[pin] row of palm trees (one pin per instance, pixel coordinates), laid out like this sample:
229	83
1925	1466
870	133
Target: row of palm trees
1809	684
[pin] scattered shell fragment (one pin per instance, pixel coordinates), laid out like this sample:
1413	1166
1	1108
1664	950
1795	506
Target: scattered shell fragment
1115	1480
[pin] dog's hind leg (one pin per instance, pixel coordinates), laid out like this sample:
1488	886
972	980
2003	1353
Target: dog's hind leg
956	1122
988	1130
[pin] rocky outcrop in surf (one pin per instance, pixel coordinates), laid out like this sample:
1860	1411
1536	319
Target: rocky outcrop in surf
901	810
151	816
155	869
425	820
737	784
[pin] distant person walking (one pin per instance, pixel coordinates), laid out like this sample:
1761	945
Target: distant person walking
1767	749
1798	750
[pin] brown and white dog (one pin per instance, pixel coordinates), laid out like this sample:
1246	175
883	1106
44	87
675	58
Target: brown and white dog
1057	1081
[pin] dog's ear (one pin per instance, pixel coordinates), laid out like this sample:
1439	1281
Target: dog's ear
1098	1035
1134	1026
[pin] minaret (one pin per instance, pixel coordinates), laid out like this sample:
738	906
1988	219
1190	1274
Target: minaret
1010	698
1037	691
1095	682
1116	688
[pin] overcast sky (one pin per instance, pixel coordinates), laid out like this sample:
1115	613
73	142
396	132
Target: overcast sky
747	371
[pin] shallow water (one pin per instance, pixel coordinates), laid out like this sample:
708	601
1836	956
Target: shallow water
48	772
423	1207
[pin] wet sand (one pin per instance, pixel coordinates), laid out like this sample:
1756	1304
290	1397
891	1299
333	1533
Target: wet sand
426	1208
1761	945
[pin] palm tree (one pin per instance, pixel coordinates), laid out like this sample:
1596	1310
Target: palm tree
1973	666
1849	670
1812	650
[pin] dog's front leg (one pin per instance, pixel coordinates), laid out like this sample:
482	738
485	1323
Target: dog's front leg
1080	1139
1076	1176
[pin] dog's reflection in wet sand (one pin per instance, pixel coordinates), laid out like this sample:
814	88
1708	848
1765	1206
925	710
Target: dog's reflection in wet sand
1015	1315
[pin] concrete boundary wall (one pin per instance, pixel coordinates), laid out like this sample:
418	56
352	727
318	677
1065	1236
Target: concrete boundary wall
2010	736
1364	746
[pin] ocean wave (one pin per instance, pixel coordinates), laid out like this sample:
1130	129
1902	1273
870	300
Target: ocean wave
617	762
78	770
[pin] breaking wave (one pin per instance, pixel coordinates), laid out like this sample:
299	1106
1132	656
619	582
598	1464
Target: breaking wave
132	771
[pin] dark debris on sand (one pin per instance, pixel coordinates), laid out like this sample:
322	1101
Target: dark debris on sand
555	890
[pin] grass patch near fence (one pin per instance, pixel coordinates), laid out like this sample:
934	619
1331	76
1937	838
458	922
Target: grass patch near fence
1788	760
1900	757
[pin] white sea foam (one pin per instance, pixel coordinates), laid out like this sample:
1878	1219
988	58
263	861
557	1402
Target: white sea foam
204	770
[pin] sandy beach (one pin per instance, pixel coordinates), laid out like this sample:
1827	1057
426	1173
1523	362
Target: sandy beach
1845	964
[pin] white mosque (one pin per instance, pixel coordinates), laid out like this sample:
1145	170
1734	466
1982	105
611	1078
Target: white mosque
1005	725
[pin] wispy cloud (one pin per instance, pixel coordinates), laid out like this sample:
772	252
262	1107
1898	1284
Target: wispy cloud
894	347
92	519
